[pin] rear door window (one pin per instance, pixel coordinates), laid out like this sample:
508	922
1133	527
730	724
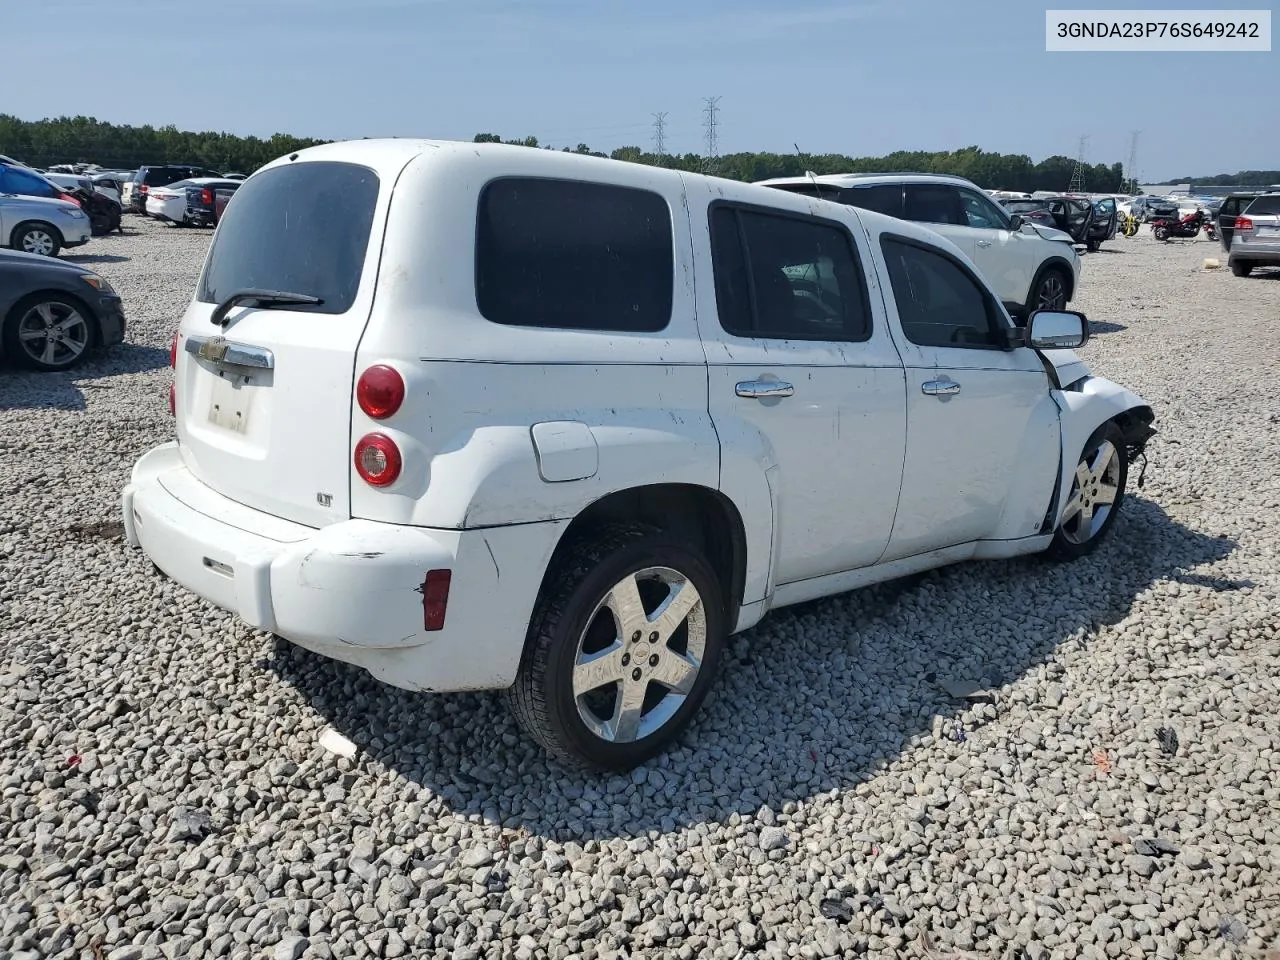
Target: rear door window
572	255
302	228
883	198
934	203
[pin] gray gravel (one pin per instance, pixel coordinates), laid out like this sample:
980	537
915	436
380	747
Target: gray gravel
1106	785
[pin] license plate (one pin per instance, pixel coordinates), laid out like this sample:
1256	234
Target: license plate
229	405
1269	231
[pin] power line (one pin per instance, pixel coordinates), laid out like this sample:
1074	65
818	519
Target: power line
660	135
713	143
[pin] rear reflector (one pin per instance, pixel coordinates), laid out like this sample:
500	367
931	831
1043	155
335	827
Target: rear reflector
377	460
435	598
173	352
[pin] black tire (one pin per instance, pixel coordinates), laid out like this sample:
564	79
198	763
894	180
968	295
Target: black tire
68	353
1240	268
1160	232
1042	288
568	612
1068	542
1092	246
36	234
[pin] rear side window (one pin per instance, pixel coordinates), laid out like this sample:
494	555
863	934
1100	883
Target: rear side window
934	203
300	228
939	303
572	255
1264	205
883	198
786	277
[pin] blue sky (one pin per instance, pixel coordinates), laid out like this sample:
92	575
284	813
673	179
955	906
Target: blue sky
860	77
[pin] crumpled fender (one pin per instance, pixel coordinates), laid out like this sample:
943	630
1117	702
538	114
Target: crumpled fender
1087	403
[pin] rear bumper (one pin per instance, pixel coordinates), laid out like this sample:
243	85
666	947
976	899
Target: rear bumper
1262	254
351	591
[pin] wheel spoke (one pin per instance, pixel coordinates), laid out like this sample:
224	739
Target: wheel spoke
1106	493
32	335
1072	508
676	671
70	322
675	610
627	711
596	670
45	311
1102	460
628	610
1083	474
50	350
1086	517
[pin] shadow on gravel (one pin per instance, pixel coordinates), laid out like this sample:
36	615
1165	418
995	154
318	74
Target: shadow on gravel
1106	326
24	389
820	699
96	258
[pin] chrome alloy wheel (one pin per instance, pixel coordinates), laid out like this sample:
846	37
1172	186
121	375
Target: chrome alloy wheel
640	655
1093	494
53	334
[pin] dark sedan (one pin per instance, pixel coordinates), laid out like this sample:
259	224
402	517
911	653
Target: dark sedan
53	312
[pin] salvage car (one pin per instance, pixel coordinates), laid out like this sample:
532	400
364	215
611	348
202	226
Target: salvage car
484	417
190	202
42	225
53	313
1031	266
1257	236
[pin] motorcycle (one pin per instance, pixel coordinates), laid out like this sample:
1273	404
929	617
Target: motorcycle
1129	225
1188	227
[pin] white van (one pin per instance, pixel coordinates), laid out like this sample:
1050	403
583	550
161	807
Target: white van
482	416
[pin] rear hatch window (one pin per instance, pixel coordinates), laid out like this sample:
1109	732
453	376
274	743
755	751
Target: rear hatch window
1264	206
300	228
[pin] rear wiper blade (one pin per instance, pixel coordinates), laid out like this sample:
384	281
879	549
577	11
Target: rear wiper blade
263	298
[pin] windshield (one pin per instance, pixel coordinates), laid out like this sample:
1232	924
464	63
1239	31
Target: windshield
301	228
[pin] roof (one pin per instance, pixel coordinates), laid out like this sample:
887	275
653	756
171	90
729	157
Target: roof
865	179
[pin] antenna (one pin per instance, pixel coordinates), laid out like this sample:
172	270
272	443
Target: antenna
1077	175
713	143
1131	171
817	187
660	136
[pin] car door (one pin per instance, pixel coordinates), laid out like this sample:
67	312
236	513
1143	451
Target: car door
1008	259
1104	226
982	428
802	371
1227	219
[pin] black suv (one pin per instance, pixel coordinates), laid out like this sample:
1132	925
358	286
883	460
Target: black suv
161	175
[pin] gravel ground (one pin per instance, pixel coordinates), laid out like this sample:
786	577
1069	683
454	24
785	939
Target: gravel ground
1114	791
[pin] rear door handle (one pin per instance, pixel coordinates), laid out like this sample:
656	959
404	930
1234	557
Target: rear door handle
759	389
940	388
984	243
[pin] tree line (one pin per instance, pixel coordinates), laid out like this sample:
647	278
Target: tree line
43	143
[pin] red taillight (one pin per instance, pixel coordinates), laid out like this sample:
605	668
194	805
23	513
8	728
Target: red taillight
70	199
380	391
143	188
206	197
173	399
173	352
378	460
1244	223
435	598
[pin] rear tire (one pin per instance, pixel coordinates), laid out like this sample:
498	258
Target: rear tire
610	690
1160	232
1096	495
1240	268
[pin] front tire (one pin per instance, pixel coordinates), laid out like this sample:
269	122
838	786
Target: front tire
1096	497
1049	292
48	332
1240	268
38	238
624	644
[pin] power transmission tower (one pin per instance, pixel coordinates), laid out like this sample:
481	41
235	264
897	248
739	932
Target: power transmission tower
1077	175
713	143
660	136
1131	171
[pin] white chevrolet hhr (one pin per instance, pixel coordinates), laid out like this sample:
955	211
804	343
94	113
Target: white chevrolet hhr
479	416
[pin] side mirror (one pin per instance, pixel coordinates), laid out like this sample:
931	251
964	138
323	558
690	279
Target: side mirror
1057	330
1015	222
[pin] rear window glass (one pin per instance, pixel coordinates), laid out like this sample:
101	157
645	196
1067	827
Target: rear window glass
1264	205
572	255
302	228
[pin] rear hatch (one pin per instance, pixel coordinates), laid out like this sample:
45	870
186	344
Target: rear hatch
264	403
1262	218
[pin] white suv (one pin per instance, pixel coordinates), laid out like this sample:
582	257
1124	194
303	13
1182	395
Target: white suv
1030	266
481	416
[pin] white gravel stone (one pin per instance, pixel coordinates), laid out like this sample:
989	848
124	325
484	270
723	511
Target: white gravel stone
831	800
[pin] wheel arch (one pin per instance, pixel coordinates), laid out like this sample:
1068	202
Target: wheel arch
1053	262
710	519
17	230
